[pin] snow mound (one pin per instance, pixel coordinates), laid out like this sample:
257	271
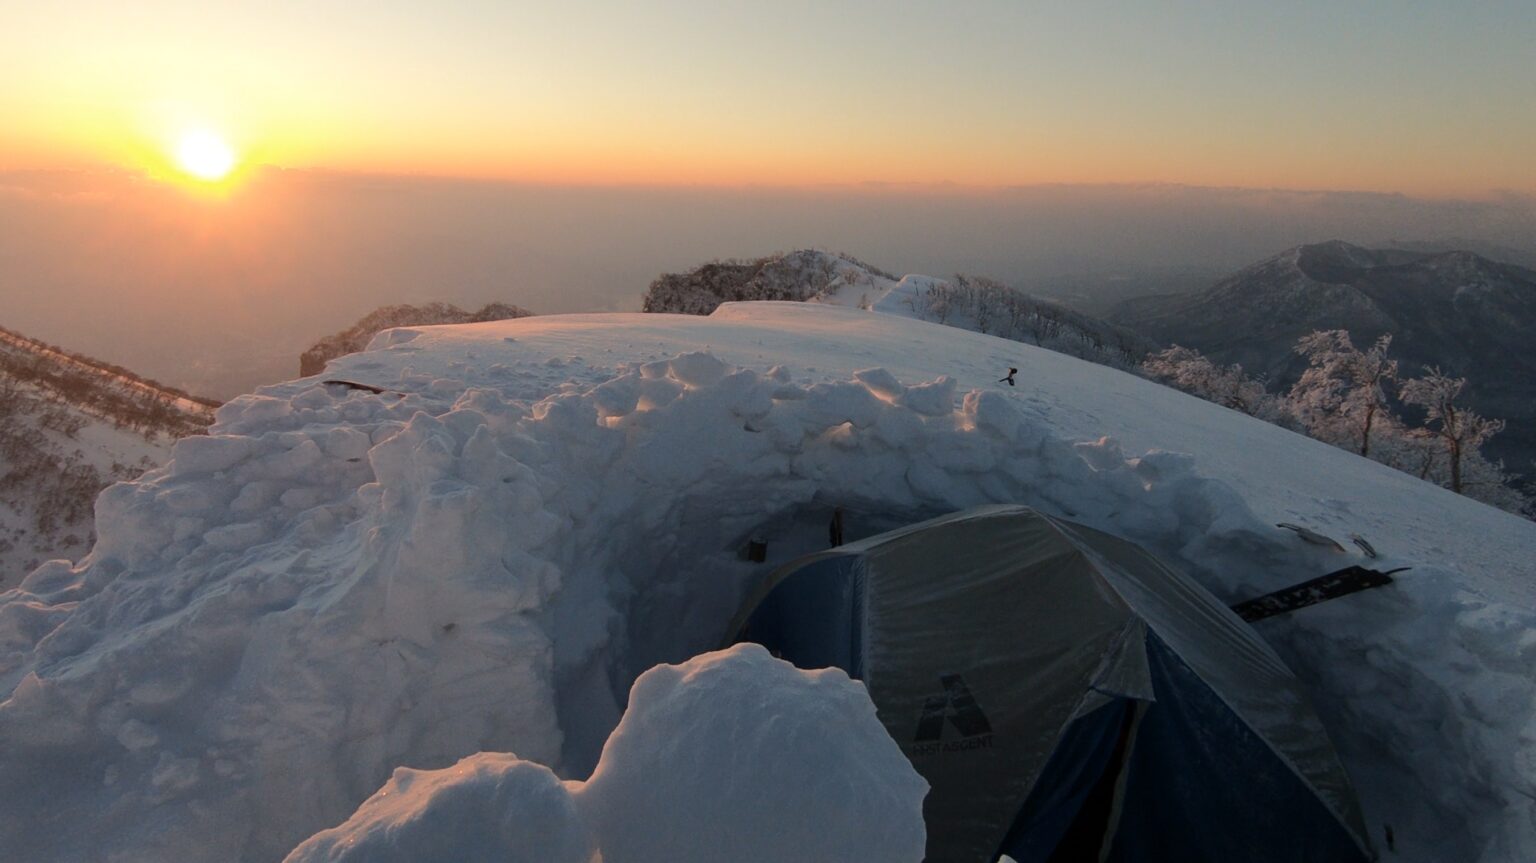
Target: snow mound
488	806
739	756
732	755
335	583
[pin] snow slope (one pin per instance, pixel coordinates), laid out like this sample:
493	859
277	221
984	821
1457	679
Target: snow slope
337	584
69	426
54	459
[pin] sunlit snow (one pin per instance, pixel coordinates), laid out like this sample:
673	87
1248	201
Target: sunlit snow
484	558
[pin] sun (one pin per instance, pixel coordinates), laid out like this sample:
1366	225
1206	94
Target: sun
205	155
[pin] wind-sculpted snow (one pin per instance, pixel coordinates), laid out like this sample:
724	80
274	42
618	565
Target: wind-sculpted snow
336	584
732	756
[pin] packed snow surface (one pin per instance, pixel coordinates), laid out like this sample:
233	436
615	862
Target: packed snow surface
337	583
732	756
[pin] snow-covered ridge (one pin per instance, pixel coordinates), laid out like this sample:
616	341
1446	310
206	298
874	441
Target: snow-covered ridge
69	426
336	584
974	303
108	390
804	275
356	337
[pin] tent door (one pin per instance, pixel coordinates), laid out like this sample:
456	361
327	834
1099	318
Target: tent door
1070	809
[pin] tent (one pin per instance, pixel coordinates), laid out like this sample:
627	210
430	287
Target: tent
1066	695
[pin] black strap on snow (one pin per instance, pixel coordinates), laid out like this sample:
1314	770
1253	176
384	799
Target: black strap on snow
354	385
1350	579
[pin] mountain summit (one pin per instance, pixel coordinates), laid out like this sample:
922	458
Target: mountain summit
975	303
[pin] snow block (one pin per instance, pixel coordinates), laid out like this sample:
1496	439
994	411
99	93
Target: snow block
697	369
992	412
935	398
208	454
880	382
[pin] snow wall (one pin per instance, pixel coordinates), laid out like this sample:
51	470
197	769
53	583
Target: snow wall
336	584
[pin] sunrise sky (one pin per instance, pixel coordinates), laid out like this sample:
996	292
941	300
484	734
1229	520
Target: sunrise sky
1423	98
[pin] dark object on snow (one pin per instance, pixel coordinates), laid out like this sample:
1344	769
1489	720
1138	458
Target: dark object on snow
1008	380
757	550
1311	536
1066	695
1358	540
835	529
354	385
1350	579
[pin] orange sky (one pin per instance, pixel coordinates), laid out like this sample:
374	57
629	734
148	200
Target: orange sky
1433	103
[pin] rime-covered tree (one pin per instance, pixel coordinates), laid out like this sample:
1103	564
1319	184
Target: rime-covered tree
1342	396
1188	370
991	307
1461	432
1343	401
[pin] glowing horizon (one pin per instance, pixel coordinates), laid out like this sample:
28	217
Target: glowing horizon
1312	97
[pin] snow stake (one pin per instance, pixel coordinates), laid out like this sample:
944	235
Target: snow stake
1370	550
1311	536
1351	579
757	549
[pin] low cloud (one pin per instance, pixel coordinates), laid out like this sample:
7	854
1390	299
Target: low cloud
221	296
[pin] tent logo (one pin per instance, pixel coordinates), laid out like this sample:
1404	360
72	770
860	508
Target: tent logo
957	706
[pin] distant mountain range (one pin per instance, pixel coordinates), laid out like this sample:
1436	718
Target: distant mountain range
1471	316
69	426
356	337
1524	257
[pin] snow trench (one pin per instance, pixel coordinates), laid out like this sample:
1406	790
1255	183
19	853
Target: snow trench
336	584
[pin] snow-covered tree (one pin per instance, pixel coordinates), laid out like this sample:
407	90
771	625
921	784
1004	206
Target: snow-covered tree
1461	431
989	306
1342	396
1188	370
1342	399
